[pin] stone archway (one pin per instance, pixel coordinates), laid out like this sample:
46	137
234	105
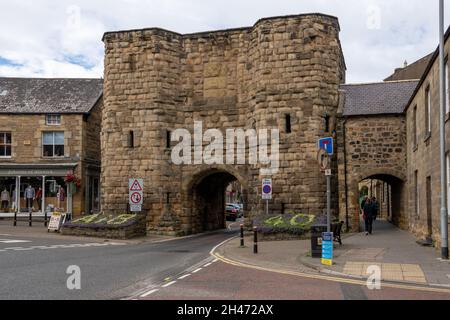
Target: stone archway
395	196
204	197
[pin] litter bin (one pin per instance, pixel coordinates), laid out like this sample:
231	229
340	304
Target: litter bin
316	239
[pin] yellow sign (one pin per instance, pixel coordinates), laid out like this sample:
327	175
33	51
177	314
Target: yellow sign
327	262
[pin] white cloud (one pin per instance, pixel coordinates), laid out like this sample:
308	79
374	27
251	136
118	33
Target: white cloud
63	38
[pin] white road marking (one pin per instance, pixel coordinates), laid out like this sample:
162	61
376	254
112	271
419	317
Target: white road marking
215	260
149	293
207	265
168	284
184	277
199	269
59	246
7	241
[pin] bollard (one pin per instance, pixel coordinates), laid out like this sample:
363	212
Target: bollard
45	219
242	235
15	219
255	240
30	220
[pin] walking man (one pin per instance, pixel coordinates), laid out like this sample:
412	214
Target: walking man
368	215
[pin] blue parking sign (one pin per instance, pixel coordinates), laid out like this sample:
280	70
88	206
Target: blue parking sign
327	248
327	144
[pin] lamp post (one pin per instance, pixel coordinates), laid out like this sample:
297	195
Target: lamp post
444	213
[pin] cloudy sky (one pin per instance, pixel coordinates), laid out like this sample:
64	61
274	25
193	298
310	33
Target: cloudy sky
62	38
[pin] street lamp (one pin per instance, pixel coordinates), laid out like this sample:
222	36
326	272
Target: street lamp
444	213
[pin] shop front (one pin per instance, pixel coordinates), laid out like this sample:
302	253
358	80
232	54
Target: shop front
38	188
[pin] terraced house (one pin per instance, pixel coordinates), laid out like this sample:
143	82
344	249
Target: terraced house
49	144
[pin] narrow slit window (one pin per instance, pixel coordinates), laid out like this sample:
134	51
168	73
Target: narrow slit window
168	139
327	123
131	139
288	123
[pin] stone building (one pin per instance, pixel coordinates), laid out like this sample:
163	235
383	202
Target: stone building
372	145
283	73
423	150
49	128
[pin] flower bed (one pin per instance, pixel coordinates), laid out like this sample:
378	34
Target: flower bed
284	227
123	226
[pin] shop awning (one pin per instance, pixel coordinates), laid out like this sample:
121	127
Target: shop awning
35	170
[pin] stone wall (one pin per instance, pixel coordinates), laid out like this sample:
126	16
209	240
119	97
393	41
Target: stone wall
424	156
372	147
157	81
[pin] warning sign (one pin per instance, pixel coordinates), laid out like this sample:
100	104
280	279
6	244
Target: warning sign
137	185
136	194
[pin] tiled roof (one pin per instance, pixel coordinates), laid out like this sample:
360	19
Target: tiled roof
377	98
31	95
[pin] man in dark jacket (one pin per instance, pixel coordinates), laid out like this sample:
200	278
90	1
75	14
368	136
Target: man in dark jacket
369	213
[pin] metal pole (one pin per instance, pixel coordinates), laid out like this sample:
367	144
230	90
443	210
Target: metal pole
444	214
255	240
328	203
242	235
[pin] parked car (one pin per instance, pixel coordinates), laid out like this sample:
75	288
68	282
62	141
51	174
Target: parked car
231	213
238	207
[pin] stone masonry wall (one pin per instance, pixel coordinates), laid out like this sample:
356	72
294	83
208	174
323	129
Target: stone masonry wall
424	156
375	148
157	81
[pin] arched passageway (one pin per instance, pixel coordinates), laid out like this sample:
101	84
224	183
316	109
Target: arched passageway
206	198
390	193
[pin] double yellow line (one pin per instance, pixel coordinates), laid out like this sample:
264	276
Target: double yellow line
329	278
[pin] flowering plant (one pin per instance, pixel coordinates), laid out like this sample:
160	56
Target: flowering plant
72	180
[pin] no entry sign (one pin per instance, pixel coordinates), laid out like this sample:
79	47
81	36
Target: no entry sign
136	194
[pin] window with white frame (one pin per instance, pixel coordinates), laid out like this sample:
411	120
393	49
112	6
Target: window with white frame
5	144
428	110
447	92
416	193
448	183
53	119
53	144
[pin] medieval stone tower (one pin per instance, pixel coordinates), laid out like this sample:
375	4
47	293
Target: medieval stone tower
282	73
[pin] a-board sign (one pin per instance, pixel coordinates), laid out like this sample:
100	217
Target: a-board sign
56	221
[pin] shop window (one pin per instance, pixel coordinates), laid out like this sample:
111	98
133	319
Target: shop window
53	144
53	120
5	144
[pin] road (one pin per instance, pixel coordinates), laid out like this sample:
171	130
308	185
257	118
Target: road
34	267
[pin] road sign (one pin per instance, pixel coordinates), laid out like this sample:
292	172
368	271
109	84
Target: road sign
327	144
136	194
327	248
323	159
267	189
328	172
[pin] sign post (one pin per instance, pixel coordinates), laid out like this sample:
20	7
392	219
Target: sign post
327	248
136	194
326	150
267	192
56	221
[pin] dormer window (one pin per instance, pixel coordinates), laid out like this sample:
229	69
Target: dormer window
53	120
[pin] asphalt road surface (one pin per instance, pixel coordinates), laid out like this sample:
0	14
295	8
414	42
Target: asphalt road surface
35	267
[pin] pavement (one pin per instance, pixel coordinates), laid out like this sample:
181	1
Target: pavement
399	258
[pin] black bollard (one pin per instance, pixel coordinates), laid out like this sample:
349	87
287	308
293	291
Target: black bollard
255	240
15	219
45	219
30	220
242	235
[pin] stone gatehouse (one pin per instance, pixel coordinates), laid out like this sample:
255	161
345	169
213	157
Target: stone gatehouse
283	73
